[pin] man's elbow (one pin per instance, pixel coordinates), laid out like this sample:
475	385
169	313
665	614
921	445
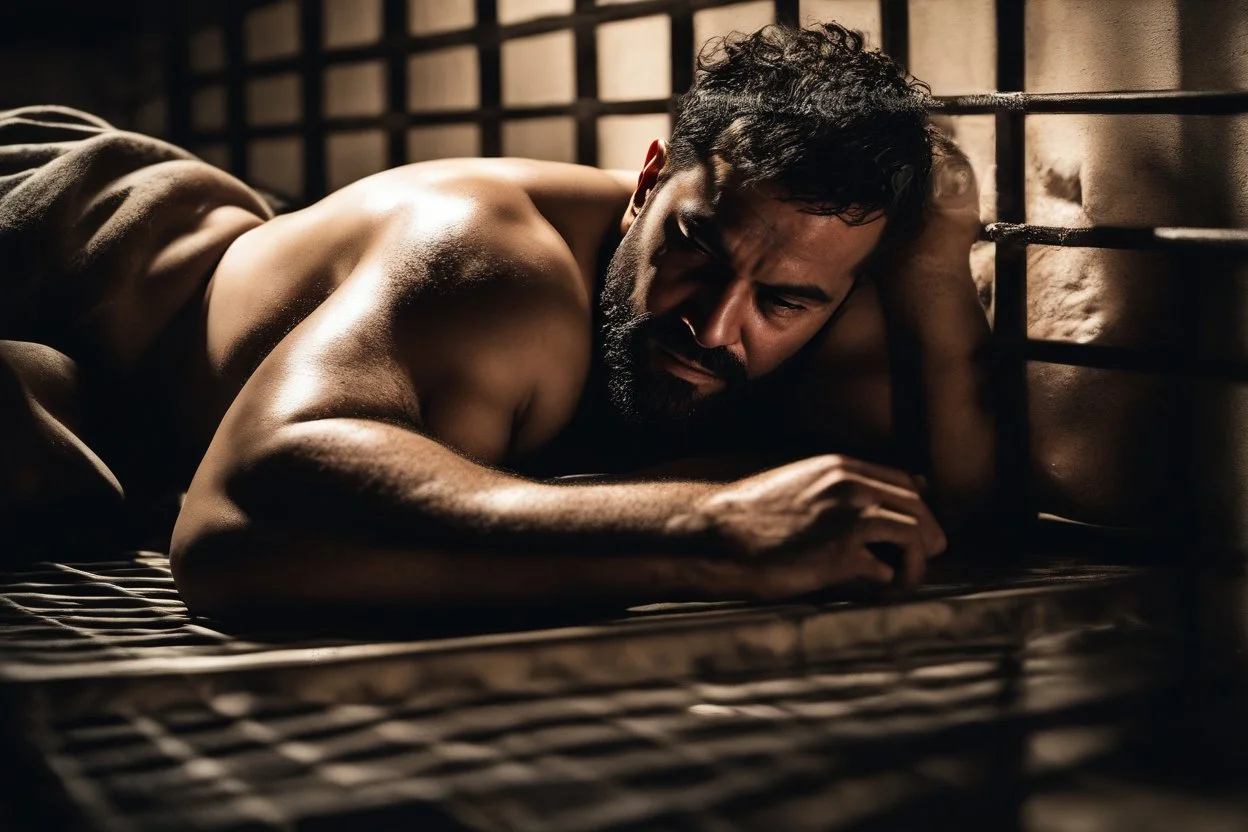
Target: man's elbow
214	568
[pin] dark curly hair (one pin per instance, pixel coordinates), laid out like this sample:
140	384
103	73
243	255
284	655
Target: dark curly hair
839	128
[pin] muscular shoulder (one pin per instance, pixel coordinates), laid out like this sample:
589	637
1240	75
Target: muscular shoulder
490	313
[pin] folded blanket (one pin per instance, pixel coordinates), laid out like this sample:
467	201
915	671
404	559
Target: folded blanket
105	234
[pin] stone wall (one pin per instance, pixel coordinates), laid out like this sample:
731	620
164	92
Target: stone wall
1103	447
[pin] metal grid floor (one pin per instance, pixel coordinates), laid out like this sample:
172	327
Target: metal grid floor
86	613
1010	707
90	612
935	738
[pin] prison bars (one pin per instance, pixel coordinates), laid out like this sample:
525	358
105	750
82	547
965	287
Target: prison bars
1183	363
1107	236
1009	382
1009	108
1144	102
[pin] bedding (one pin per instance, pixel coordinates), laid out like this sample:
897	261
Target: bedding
97	222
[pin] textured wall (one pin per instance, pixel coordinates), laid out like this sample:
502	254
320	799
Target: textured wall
1101	449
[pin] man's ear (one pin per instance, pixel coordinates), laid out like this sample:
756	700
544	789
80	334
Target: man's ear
656	157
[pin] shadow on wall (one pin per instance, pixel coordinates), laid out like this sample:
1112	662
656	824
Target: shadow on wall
1214	49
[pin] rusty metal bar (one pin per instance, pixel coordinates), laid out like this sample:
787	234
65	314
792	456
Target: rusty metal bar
1010	374
1105	236
1151	102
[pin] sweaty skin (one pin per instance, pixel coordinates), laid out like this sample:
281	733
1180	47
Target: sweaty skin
387	365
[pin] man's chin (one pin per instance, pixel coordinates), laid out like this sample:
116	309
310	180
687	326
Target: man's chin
672	407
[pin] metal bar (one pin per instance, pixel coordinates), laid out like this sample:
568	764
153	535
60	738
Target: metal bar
585	38
1167	102
236	73
394	29
908	404
683	56
1148	360
489	58
389	120
177	76
895	30
313	127
1155	102
1105	236
788	12
1014	473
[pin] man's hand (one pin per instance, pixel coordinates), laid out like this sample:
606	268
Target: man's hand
809	525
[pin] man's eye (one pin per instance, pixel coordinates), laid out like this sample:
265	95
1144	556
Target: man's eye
682	243
778	302
675	240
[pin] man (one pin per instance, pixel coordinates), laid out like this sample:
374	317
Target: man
398	370
408	349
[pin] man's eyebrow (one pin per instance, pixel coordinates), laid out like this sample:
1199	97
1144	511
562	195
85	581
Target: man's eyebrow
705	232
809	291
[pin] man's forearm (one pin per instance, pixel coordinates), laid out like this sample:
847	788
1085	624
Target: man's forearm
346	475
244	573
355	511
937	310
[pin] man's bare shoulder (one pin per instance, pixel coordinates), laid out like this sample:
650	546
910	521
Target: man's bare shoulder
536	177
583	204
486	304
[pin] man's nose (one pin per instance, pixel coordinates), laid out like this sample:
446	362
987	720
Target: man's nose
716	321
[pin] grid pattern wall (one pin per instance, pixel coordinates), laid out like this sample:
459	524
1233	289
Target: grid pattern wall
304	96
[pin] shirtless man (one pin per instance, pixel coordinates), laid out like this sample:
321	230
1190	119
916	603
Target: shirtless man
411	347
394	373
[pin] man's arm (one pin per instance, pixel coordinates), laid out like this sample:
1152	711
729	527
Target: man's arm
354	467
913	341
936	321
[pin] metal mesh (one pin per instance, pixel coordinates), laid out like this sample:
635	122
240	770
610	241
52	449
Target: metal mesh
989	736
81	613
62	612
813	715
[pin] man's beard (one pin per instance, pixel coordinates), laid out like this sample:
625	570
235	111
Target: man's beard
656	402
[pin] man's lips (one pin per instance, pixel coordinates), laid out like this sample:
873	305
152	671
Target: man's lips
687	364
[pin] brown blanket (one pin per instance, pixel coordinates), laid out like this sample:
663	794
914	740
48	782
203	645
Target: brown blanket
101	231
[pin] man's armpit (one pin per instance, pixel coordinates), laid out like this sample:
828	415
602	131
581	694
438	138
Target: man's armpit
498	353
470	421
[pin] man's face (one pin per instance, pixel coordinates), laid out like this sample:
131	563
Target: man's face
713	286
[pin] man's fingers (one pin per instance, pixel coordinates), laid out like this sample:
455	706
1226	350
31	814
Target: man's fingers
883	473
866	494
874	569
881	525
